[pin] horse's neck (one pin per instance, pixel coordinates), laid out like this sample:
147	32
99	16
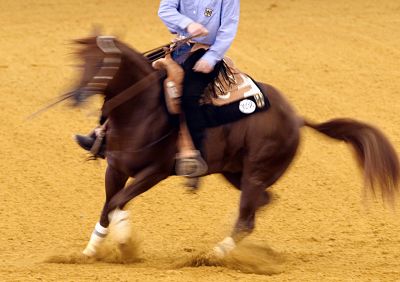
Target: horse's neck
145	111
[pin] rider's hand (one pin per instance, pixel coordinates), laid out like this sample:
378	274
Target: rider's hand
196	29
203	66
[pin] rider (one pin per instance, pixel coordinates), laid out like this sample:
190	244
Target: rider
213	23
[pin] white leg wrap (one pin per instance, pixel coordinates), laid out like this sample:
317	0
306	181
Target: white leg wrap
120	219
97	237
224	247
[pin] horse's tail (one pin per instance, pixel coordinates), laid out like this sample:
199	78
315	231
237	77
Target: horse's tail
374	153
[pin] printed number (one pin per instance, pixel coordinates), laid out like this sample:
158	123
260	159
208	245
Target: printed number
247	106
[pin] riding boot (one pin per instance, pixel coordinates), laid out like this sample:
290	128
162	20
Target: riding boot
88	142
195	121
192	164
194	84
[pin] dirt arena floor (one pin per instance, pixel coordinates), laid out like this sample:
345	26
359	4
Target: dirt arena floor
331	59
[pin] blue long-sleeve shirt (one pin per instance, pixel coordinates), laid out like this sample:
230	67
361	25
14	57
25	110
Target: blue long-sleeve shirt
220	17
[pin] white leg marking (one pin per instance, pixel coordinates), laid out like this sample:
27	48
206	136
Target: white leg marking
97	237
224	247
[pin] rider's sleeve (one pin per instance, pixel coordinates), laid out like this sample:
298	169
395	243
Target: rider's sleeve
169	14
226	32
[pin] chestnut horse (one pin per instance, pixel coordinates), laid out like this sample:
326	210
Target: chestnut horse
252	153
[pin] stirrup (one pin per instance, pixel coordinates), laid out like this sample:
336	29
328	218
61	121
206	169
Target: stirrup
192	166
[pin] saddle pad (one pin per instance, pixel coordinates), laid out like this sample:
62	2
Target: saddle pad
232	85
234	111
247	88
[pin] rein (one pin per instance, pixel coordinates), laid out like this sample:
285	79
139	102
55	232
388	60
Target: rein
130	92
166	49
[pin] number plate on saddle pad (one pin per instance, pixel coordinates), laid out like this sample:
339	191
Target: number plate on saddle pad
218	114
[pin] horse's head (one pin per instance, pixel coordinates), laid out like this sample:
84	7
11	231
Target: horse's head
109	67
101	62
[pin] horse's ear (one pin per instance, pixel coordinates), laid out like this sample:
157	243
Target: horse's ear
84	41
96	30
80	41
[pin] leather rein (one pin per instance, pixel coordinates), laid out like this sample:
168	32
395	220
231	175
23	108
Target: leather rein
130	92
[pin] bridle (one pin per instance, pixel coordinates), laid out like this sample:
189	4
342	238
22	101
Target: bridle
109	66
108	69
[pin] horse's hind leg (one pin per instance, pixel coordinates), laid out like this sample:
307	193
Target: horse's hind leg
253	184
263	166
235	180
252	194
114	182
252	197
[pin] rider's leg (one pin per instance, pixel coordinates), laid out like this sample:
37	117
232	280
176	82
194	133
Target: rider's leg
86	142
194	85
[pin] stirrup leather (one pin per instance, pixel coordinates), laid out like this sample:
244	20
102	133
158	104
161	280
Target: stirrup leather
100	133
98	142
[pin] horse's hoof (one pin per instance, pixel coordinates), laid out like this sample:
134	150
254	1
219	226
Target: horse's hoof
89	252
224	247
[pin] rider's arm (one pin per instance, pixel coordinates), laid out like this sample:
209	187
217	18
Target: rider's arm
169	14
226	32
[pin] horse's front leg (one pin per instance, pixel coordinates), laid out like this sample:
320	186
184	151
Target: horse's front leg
114	182
143	181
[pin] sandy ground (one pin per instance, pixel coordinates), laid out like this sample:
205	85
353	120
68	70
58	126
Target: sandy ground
331	58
